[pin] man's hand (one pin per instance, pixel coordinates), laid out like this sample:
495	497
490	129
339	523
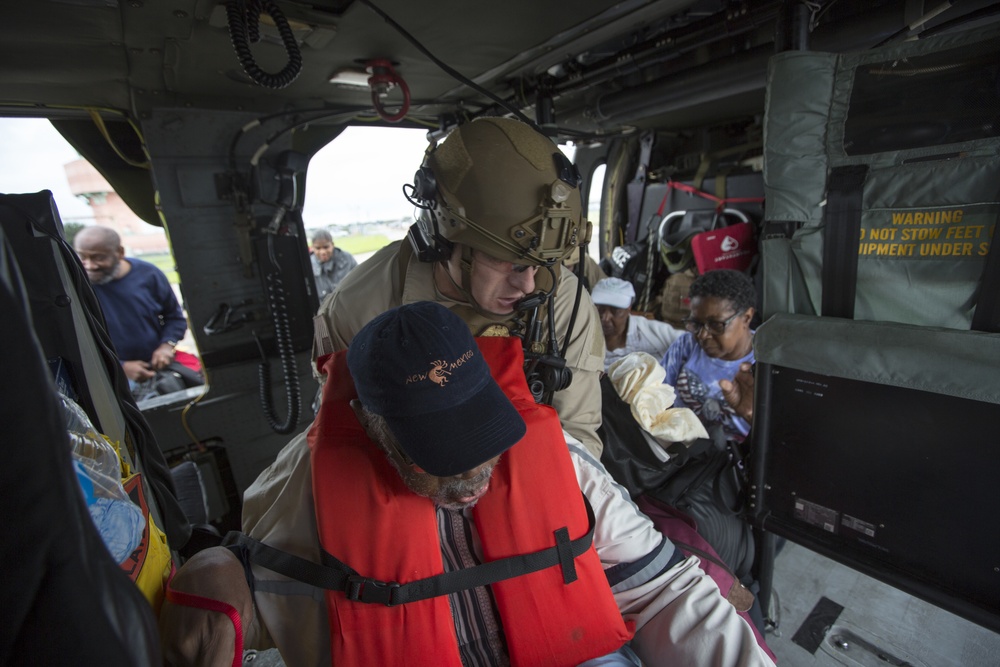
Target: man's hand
192	636
137	371
162	356
738	392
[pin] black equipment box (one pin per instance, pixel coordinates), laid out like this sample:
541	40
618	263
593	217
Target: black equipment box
880	449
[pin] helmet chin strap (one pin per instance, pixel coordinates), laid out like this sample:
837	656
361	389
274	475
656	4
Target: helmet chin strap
545	367
465	289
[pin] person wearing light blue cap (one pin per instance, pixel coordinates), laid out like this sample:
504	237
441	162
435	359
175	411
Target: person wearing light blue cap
624	332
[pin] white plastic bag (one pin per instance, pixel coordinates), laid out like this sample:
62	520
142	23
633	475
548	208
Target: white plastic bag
119	521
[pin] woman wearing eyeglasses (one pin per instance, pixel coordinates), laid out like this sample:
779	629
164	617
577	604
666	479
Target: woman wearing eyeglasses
718	339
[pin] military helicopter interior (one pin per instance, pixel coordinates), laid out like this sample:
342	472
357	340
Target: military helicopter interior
204	116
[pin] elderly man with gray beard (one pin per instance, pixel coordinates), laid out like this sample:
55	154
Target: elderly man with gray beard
434	514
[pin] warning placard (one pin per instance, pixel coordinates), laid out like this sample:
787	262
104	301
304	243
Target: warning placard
927	234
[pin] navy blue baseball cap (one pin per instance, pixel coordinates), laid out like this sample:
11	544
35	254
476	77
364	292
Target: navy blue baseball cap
418	367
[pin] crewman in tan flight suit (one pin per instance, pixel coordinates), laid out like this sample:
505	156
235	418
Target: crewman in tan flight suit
500	208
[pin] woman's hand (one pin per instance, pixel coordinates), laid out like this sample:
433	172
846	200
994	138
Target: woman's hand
738	392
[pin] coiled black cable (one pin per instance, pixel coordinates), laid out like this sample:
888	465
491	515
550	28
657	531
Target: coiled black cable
286	353
243	17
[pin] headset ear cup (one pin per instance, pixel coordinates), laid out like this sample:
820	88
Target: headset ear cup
424	235
425	185
427	247
426	239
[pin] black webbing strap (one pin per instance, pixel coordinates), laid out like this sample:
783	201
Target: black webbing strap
337	576
987	315
841	239
564	550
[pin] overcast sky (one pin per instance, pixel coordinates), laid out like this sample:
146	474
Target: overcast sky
32	155
358	177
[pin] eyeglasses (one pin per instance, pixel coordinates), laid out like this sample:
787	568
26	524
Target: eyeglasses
502	266
714	327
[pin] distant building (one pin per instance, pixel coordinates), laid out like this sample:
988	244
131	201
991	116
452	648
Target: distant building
138	236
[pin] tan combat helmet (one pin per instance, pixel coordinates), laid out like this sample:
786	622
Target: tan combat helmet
499	186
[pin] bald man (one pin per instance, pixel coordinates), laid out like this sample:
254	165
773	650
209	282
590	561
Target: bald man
144	319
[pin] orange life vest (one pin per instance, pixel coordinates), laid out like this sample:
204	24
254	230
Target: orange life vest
368	519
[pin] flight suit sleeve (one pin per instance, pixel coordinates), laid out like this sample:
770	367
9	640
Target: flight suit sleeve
593	272
579	405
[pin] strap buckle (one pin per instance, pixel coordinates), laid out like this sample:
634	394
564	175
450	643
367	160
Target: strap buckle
371	591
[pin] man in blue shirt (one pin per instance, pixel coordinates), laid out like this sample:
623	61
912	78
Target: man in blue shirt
143	316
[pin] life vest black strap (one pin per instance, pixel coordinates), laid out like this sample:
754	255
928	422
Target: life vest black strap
335	575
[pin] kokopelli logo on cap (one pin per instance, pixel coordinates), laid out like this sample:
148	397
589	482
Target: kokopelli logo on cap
440	370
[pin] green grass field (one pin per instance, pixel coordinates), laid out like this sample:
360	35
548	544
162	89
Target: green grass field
352	244
359	244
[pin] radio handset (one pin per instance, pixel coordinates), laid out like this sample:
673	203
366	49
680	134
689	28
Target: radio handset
289	170
544	368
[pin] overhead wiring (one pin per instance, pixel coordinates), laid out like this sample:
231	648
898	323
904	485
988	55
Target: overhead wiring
461	78
346	113
447	69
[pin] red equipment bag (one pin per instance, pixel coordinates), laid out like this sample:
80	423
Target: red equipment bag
732	247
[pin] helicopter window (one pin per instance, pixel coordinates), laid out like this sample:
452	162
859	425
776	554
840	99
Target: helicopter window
595	189
899	105
354	186
33	156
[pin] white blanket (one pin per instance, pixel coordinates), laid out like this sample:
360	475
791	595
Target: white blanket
638	379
